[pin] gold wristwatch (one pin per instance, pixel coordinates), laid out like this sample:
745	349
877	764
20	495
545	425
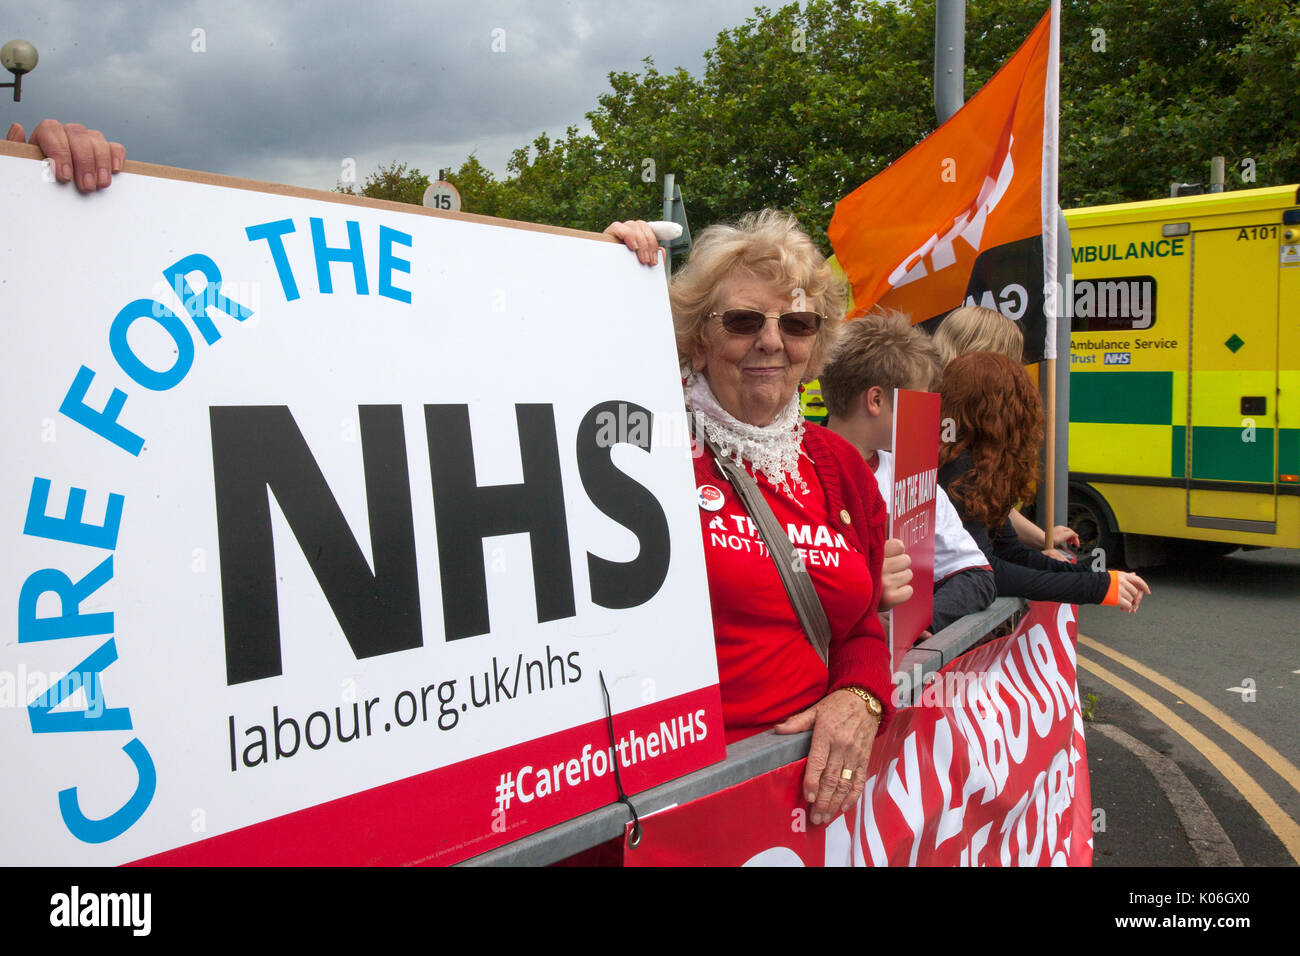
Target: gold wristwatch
874	707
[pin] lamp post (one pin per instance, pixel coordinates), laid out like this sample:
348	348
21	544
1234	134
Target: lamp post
18	57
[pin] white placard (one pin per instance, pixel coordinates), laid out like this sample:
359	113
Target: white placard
345	345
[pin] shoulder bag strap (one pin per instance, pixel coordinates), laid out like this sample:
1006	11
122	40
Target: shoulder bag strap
795	577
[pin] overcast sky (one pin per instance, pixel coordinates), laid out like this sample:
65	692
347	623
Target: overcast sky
286	90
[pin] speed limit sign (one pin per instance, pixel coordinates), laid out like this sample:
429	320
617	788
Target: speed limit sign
442	195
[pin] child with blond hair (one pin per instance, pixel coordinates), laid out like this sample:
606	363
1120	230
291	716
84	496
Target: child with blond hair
875	355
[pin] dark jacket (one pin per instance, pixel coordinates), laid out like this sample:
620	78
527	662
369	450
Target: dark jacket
1023	572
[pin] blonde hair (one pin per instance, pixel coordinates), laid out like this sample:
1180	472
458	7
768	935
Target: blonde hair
973	328
882	348
771	246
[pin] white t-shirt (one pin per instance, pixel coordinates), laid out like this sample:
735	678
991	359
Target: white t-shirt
954	549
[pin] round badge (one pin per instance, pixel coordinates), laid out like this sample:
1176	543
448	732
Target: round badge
710	498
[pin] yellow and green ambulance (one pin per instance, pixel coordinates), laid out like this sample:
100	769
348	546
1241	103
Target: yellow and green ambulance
1185	373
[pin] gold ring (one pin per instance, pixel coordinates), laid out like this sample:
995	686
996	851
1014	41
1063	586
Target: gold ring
846	774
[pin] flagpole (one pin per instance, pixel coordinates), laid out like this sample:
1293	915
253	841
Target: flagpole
949	96
1057	263
1054	379
1049	452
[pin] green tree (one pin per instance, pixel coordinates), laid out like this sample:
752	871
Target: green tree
1267	58
1151	107
393	181
799	105
807	104
480	192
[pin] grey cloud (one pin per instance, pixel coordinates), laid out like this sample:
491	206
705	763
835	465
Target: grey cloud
287	91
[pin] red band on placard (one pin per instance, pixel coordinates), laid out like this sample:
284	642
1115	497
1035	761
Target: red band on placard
459	811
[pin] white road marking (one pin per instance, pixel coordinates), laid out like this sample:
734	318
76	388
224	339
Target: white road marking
1204	832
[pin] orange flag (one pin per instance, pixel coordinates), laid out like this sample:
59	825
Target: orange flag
968	216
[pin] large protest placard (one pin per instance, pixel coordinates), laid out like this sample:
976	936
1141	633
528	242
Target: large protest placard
326	521
989	768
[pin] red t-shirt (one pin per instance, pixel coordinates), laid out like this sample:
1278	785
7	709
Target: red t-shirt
767	667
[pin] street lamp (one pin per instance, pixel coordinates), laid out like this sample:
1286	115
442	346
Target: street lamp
18	57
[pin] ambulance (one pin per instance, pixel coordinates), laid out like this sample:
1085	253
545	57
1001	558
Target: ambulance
1185	374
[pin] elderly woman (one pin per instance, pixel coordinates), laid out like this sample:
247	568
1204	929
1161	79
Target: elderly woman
755	311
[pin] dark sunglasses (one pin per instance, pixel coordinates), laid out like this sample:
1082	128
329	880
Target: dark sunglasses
751	321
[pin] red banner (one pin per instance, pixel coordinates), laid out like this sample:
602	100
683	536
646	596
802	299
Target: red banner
987	769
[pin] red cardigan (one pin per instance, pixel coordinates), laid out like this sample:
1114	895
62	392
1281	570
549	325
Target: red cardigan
859	650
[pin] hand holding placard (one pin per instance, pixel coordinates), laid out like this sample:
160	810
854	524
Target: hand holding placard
896	574
76	154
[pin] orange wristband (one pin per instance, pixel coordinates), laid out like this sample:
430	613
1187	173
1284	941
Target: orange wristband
1112	593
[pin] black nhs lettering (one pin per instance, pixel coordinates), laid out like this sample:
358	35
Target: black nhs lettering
256	448
260	449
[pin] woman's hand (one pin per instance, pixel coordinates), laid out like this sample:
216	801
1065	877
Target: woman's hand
1131	589
843	731
895	575
77	154
637	236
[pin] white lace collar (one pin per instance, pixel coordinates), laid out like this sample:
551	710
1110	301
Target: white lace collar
771	449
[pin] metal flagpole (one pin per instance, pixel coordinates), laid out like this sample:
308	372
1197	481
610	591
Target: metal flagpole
1054	383
1054	498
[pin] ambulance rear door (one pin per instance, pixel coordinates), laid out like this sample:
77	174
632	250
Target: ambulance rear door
1231	437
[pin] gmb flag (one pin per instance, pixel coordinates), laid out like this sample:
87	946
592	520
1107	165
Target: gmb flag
968	216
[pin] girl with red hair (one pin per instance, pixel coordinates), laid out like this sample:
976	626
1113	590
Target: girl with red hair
992	464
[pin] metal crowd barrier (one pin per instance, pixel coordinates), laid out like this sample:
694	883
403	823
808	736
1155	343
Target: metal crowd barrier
746	758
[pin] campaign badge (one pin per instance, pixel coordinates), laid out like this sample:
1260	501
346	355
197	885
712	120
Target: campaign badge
710	498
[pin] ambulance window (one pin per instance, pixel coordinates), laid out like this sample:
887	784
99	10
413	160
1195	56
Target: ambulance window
1114	304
